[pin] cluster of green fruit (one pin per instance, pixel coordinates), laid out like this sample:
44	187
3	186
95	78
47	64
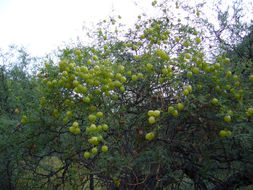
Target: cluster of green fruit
96	77
153	114
173	111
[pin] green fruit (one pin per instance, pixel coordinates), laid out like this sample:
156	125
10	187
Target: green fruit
217	88
229	133
140	75
105	127
165	71
104	148
251	77
65	120
86	155
248	114
93	127
216	65
223	133
230	112
150	136
235	77
94	150
189	88
198	40
187	56
186	92
215	101
134	77
72	129
122	89
189	74
99	114
69	114
156	113
186	44
99	128
92	108
75	124
77	131
195	70
149	66
115	97
180	106
151	120
226	60
227	118
170	109
175	113
199	87
43	101
250	110
150	113
92	118
229	74
237	83
228	87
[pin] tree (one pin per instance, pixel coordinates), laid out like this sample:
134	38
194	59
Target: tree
17	94
142	111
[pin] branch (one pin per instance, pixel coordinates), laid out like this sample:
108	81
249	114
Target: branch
235	181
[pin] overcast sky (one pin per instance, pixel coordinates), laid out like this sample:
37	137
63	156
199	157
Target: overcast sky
42	25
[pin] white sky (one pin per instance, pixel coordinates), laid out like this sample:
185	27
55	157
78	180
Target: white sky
42	25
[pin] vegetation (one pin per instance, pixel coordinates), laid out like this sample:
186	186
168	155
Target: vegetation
149	109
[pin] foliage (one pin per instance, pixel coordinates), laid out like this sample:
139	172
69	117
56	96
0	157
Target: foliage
17	96
143	110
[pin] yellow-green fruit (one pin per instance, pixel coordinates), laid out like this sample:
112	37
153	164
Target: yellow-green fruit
77	131
251	77
157	113
151	120
198	40
226	60
180	106
69	114
99	114
186	92
189	74
72	129
75	124
105	127
104	148
223	133
149	66
227	118
175	113
229	74
215	101
92	118
170	109
250	110
86	155
150	113
93	127
195	70
94	150
150	136
134	77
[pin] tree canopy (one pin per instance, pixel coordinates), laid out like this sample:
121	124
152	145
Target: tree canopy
145	109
